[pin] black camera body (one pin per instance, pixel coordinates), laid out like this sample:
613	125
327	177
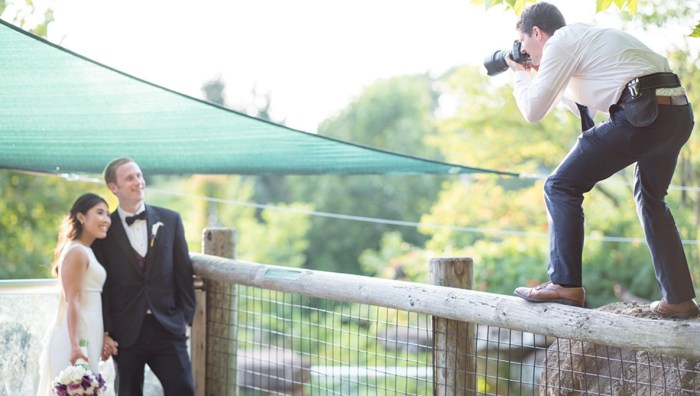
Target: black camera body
496	63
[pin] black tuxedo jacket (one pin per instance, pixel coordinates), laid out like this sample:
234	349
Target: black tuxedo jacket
165	286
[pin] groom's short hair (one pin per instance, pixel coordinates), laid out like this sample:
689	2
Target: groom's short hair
110	172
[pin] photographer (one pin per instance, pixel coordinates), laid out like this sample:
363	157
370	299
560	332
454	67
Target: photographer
650	120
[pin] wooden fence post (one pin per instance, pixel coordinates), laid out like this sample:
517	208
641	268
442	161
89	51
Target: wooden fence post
454	342
218	363
198	339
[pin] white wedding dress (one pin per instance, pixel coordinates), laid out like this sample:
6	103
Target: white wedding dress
56	347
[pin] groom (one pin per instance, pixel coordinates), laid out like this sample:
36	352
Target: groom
148	299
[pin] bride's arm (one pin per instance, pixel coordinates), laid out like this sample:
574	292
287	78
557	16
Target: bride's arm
73	271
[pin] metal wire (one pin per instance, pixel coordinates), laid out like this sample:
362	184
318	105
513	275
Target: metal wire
296	345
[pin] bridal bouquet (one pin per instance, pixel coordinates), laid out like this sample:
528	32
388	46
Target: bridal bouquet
79	380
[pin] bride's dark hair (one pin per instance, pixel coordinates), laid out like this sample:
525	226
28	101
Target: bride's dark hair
70	227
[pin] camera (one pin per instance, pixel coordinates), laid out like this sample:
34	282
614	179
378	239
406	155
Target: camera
496	63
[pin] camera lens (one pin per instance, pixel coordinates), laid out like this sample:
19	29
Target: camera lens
496	63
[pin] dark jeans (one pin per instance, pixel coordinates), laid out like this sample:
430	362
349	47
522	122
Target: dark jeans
166	355
599	153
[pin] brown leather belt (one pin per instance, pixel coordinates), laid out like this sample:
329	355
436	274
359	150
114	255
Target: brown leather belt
680	100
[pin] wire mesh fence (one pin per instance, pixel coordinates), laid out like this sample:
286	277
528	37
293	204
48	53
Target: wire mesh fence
304	332
292	344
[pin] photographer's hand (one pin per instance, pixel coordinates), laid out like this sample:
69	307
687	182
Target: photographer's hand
514	66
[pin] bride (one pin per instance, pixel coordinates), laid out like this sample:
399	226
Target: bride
79	318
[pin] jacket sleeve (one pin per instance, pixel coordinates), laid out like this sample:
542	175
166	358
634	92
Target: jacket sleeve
184	281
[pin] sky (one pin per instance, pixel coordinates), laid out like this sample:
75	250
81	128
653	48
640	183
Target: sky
313	56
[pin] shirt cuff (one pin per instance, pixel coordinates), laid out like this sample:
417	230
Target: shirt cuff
521	75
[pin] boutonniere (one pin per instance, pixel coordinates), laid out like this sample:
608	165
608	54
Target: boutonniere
154	232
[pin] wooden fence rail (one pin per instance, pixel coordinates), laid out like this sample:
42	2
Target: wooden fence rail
680	338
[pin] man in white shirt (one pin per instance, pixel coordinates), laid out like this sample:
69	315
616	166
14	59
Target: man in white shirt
598	69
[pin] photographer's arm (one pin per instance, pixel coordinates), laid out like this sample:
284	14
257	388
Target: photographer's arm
537	94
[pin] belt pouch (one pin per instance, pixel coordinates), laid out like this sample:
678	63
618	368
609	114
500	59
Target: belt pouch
642	110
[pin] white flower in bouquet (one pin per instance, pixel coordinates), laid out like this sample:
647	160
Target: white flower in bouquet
79	380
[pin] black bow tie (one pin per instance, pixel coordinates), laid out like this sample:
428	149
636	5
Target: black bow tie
131	219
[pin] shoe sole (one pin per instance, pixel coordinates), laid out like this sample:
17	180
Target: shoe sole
559	301
681	315
691	313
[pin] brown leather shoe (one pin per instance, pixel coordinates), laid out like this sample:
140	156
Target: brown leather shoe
684	310
550	292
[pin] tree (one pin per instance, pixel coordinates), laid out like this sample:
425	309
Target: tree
655	17
502	222
35	17
32	205
31	210
394	114
277	236
630	6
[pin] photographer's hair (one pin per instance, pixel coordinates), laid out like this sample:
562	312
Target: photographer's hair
110	172
543	15
70	227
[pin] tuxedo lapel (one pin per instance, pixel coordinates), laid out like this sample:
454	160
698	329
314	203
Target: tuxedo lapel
122	241
152	219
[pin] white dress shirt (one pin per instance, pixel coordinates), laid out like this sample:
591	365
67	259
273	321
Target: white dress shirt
137	231
586	65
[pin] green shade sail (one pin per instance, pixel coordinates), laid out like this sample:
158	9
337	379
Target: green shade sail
63	113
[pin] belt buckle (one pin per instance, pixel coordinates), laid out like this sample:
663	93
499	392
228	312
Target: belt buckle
633	87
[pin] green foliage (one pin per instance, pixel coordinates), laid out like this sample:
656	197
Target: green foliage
274	236
34	17
662	18
502	223
499	221
602	5
395	259
31	210
393	114
485	127
396	115
517	5
280	238
673	8
685	204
